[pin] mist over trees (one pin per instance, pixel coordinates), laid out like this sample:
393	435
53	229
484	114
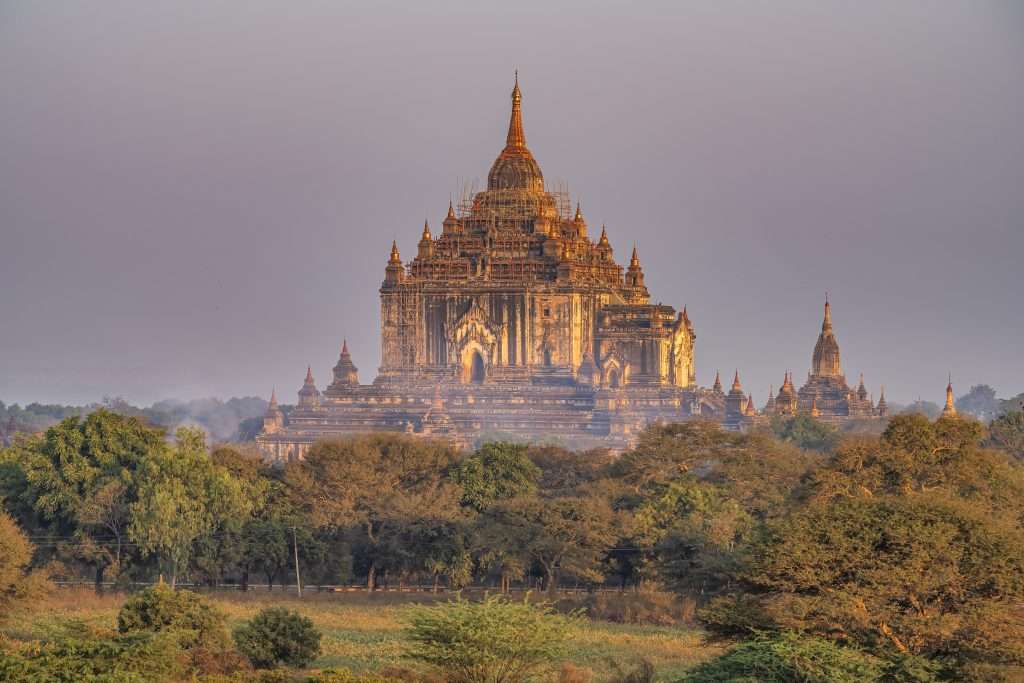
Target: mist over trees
236	419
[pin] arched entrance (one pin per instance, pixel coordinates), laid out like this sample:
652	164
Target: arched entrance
547	358
476	368
613	379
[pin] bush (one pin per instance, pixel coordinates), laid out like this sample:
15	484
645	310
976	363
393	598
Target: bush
279	636
788	657
187	614
493	641
118	659
644	607
346	676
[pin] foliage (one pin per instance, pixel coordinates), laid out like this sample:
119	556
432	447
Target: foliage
277	636
373	487
806	432
80	479
188	615
980	401
787	657
492	641
182	495
1006	433
496	471
135	658
17	584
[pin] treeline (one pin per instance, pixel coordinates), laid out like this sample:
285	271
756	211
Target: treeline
237	419
907	547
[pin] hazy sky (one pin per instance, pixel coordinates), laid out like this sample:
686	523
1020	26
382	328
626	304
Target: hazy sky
198	198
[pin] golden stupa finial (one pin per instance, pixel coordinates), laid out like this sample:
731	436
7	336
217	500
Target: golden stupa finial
634	261
579	214
516	137
950	408
426	229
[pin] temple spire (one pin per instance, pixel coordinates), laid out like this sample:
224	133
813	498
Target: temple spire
949	410
516	137
426	230
634	261
736	386
826	324
395	258
717	387
309	374
451	209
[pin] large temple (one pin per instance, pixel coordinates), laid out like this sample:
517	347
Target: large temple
513	320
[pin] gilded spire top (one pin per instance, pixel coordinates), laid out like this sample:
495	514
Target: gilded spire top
451	209
634	261
426	230
736	386
579	214
395	258
344	347
516	137
309	374
826	324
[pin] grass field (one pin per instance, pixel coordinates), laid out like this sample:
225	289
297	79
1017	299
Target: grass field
364	632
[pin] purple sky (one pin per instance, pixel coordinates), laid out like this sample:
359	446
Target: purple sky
198	198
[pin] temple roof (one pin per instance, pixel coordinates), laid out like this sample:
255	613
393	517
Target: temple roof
515	168
825	361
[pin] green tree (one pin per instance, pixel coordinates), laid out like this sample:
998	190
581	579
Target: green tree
278	636
496	471
192	620
373	486
787	657
805	432
568	534
81	478
492	641
183	494
1006	433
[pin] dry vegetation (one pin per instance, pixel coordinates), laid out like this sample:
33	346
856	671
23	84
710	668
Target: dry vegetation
364	632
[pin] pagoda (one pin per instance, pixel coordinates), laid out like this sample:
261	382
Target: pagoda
511	320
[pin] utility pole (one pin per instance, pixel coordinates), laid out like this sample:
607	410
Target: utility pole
295	544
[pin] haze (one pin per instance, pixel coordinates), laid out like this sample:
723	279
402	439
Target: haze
198	198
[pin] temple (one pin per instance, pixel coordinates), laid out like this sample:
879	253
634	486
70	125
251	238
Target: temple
826	395
511	320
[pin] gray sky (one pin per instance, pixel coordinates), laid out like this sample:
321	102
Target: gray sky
198	198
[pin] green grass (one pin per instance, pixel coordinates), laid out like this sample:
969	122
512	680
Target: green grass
364	633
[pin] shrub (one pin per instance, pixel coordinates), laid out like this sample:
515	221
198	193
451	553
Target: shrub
118	659
492	641
195	623
788	657
279	636
346	676
644	607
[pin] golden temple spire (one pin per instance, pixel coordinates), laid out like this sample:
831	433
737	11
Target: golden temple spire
309	374
736	386
426	230
395	258
344	346
949	410
451	209
516	137
826	324
579	214
273	398
634	262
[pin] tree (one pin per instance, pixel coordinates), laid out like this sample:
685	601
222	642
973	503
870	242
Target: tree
496	471
805	432
980	402
562	534
787	657
80	477
1006	433
492	641
278	636
372	486
182	495
17	584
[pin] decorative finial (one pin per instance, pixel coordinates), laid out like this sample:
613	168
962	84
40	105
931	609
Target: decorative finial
451	209
309	374
394	252
426	229
344	346
634	261
579	214
516	137
273	397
